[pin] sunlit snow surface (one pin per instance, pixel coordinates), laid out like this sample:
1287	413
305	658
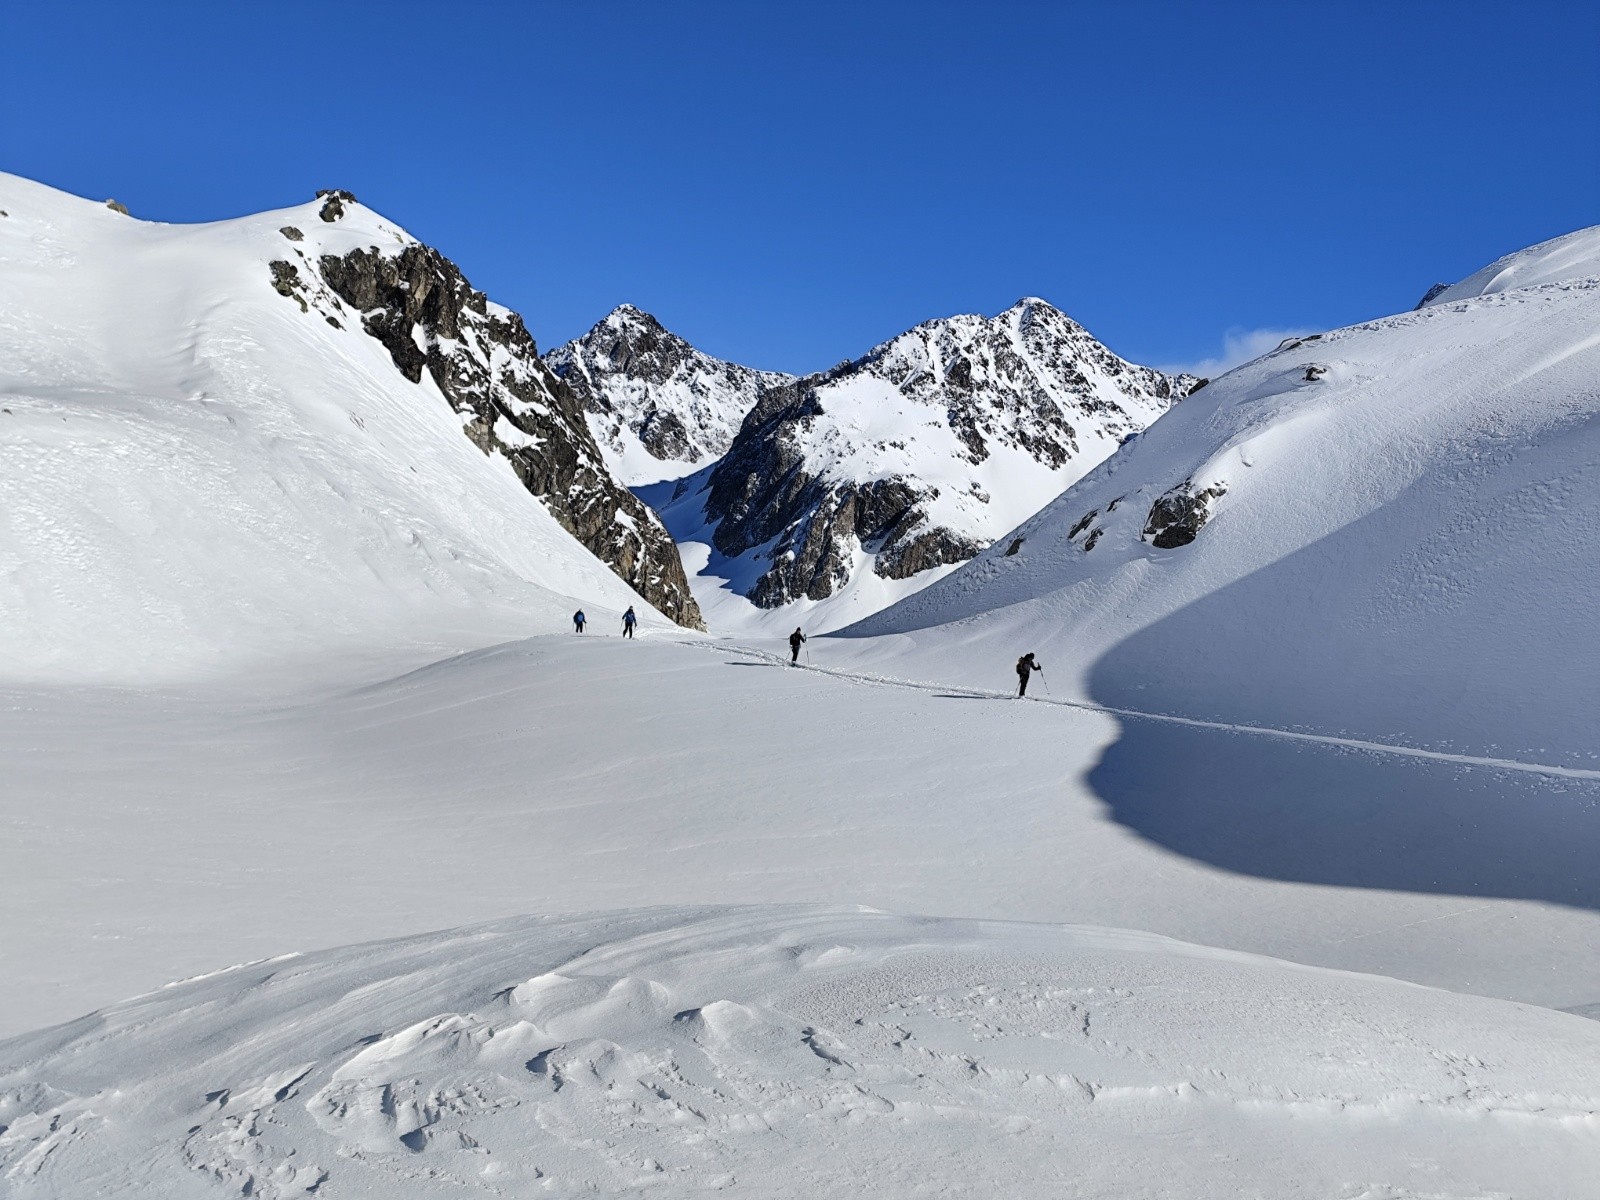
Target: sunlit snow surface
784	1051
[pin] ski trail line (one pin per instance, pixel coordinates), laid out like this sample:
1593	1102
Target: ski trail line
1322	739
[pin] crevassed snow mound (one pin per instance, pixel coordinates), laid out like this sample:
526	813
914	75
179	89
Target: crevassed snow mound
196	474
798	1051
1385	531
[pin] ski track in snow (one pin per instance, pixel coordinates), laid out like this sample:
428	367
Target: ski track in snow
1323	739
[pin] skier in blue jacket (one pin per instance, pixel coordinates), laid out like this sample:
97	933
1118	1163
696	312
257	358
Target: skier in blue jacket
578	620
629	620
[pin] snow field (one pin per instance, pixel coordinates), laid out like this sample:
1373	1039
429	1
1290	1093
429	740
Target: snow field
158	835
800	1051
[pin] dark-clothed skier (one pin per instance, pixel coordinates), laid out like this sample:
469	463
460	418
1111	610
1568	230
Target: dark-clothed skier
796	640
1025	666
577	621
628	622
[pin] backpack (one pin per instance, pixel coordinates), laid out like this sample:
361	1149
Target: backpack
1023	665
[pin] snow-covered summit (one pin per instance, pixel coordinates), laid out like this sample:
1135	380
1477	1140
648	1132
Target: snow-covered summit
1571	257
209	455
1384	531
659	408
866	479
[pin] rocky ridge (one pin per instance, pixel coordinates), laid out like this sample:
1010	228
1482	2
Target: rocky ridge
923	451
658	407
430	319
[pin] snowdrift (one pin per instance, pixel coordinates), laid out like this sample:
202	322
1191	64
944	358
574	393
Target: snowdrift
1384	531
195	478
798	1051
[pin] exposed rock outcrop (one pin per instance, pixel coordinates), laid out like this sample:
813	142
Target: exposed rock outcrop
920	453
430	319
646	389
1177	516
1432	294
333	202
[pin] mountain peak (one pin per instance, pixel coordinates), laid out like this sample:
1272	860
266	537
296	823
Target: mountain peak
630	312
658	407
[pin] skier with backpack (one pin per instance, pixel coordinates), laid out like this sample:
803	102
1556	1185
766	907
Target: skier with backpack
577	621
628	622
796	640
1026	665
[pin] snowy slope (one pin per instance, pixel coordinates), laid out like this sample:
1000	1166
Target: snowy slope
659	408
799	1052
1571	256
1392	529
198	475
850	489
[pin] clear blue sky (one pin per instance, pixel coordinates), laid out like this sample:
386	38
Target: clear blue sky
786	184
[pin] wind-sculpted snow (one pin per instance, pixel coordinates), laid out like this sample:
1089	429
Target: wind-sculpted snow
659	408
1563	259
901	464
206	462
1384	531
798	1051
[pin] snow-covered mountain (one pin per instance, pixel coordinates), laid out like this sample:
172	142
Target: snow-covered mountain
294	430
846	490
222	460
659	408
1385	531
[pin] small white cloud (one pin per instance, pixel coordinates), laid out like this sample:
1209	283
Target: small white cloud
1238	346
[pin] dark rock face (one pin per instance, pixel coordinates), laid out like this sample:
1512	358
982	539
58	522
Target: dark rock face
1177	517
1433	294
286	282
421	308
814	552
764	490
333	202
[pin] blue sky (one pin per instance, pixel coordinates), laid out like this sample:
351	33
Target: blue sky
786	184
